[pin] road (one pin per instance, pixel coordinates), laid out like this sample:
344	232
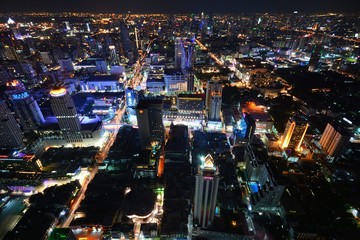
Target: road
11	214
80	196
213	56
100	157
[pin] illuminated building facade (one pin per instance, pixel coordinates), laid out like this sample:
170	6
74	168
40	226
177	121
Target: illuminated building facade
206	188
215	108
10	132
175	80
27	110
294	133
149	117
334	139
184	53
213	88
191	105
20	162
64	109
315	57
131	97
247	126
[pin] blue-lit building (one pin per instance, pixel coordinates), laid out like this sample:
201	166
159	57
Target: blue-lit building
247	127
27	110
131	97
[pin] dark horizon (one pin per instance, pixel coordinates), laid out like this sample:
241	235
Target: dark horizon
181	7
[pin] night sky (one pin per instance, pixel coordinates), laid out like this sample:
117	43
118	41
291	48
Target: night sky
180	6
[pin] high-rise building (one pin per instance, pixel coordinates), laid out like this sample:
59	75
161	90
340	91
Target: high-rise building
247	126
184	60
149	114
10	133
213	100
206	188
64	109
214	88
187	54
27	110
294	133
315	57
334	139
215	108
178	52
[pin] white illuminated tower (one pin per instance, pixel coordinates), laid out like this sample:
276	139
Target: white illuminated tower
206	188
10	134
65	112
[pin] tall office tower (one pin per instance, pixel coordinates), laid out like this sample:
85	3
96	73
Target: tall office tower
206	188
187	54
294	133
334	139
27	110
66	65
10	134
178	52
149	114
65	112
127	45
215	108
184	53
315	57
214	88
247	126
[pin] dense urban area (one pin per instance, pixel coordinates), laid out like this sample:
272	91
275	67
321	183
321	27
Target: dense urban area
163	126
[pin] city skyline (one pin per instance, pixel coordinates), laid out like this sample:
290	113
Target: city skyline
179	126
187	6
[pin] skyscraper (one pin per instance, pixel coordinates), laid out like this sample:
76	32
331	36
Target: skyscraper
315	57
27	110
184	59
187	54
65	112
213	88
178	52
213	100
10	133
334	139
149	114
294	133
247	126
206	188
215	108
